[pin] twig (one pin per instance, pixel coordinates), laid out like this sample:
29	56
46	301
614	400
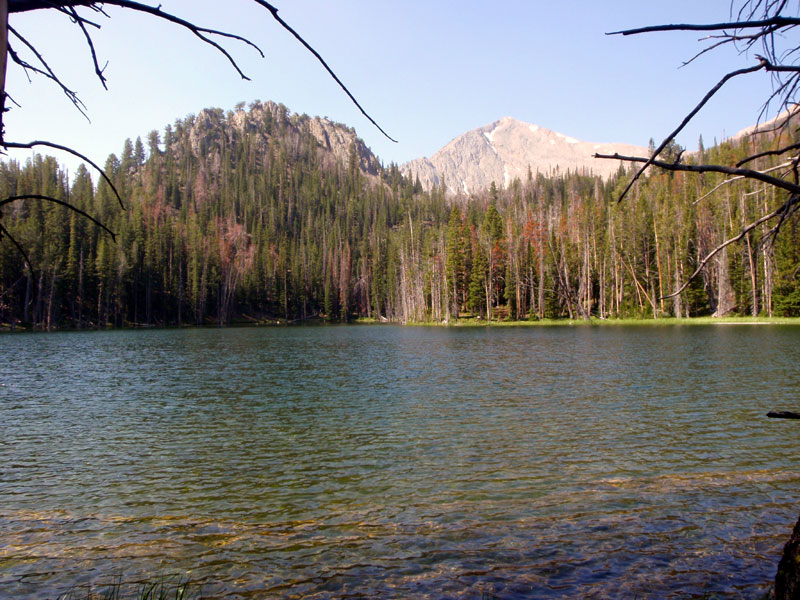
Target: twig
308	47
740	177
768	153
15	6
734	25
670	166
49	73
4	232
98	71
784	209
61	203
69	150
763	63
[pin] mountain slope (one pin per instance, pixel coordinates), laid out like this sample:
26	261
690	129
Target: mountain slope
505	150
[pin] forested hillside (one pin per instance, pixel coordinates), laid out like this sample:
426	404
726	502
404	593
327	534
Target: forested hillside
258	214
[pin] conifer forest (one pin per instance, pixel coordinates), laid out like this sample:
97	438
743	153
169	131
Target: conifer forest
244	216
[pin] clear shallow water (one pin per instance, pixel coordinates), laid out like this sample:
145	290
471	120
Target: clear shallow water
392	462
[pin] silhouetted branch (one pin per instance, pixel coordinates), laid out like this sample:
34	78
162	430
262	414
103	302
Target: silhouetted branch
783	212
69	150
671	166
777	152
47	72
297	36
82	24
20	249
16	6
763	64
740	177
11	199
735	25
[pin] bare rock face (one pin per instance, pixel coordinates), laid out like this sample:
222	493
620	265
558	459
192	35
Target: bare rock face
214	128
508	149
787	579
339	140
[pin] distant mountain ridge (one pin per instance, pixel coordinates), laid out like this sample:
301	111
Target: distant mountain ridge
504	150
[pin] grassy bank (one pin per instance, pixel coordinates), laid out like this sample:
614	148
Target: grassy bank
594	322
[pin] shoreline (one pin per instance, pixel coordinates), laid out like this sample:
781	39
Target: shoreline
463	322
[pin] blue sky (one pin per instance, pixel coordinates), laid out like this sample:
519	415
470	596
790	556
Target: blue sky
427	71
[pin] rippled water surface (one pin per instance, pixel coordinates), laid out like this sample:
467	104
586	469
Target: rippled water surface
400	462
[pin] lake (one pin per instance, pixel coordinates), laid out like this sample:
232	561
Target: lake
400	462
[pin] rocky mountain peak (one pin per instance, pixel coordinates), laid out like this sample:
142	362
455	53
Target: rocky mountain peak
508	149
262	121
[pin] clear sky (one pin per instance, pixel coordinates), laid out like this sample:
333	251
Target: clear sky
427	71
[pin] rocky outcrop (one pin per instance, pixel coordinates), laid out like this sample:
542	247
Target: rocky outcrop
787	580
509	149
212	127
340	140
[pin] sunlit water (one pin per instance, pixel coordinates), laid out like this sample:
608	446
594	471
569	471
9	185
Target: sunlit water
399	462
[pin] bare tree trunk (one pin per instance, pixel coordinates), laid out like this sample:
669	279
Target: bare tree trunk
753	282
677	308
28	290
726	299
658	265
50	299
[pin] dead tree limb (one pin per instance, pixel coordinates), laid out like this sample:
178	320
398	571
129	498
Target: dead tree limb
205	34
763	64
788	207
4	233
11	199
69	150
672	166
783	414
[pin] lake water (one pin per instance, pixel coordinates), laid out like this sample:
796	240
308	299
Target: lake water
400	462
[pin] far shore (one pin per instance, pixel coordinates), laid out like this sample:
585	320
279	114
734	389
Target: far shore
462	322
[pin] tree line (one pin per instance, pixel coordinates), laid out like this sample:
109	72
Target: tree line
245	217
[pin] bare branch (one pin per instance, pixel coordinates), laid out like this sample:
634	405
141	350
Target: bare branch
48	72
308	47
671	166
15	6
763	64
98	71
733	25
4	232
69	150
740	177
11	199
768	153
780	212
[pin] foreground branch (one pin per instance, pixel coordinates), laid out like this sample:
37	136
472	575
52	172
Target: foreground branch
763	64
782	212
69	150
11	199
672	166
18	6
732	25
4	233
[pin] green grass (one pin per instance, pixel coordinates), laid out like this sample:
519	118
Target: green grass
474	322
161	590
